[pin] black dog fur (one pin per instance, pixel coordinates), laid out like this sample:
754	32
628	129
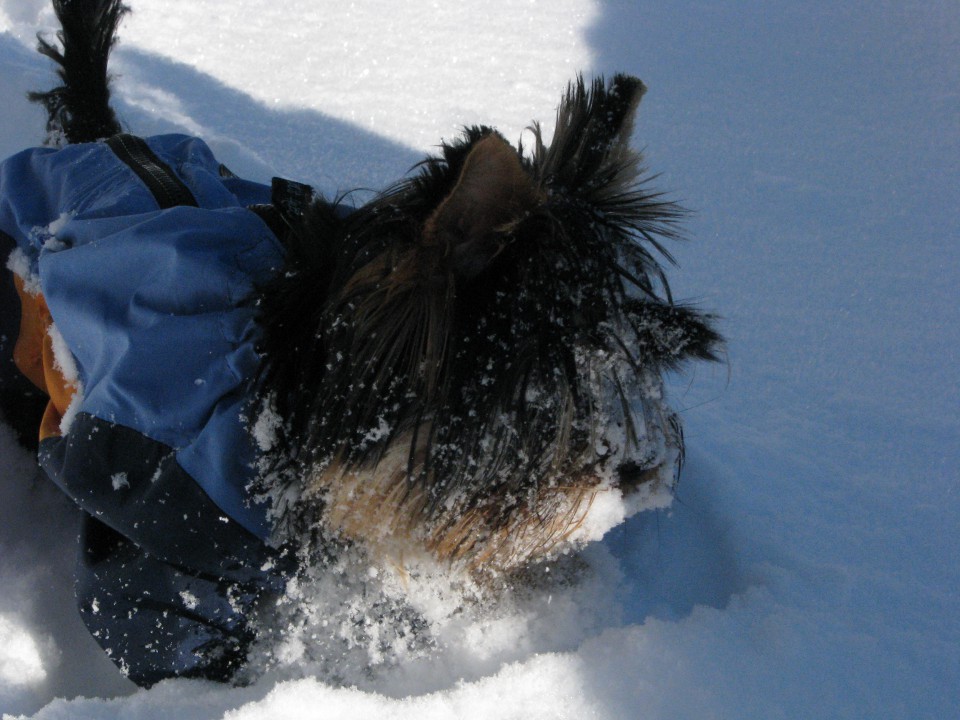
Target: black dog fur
451	354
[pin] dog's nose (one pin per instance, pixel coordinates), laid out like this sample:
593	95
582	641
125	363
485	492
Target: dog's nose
631	475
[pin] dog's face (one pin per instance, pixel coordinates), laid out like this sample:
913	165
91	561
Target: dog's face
469	367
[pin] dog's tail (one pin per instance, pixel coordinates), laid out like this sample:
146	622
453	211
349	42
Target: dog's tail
79	109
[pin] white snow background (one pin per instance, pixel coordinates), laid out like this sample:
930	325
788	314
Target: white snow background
810	565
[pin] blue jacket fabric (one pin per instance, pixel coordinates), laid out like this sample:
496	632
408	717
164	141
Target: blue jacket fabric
157	307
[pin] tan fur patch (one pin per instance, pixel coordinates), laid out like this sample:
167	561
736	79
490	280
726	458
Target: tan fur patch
383	510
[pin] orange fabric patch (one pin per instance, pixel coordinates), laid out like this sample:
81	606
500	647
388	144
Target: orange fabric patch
33	355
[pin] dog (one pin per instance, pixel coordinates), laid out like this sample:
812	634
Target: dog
245	381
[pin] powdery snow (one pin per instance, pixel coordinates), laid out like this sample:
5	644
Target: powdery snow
19	264
20	660
810	564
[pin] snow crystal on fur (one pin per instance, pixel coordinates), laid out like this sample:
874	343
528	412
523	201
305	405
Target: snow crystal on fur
19	264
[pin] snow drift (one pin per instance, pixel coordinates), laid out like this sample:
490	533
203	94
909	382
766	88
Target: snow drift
810	563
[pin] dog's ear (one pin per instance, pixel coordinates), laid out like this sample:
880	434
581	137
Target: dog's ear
615	110
590	156
492	193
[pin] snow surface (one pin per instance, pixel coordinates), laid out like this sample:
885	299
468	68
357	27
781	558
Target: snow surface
810	566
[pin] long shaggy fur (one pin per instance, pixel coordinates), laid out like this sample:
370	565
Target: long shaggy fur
462	364
489	347
79	109
458	379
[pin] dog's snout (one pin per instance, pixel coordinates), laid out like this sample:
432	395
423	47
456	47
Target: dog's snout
631	475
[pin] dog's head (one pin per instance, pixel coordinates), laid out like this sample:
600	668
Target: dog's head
471	363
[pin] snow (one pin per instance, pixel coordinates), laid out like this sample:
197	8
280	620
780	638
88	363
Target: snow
64	362
19	264
810	565
20	661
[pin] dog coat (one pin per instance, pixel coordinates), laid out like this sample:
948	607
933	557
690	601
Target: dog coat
136	264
